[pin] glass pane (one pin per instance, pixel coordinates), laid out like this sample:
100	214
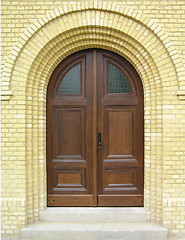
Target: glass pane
70	83
118	83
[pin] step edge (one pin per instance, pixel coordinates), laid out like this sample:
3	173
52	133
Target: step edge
140	224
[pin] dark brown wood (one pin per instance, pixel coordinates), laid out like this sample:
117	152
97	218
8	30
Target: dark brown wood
120	101
94	126
120	118
66	201
120	200
70	136
79	172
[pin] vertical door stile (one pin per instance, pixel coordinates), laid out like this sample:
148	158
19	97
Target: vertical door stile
100	95
94	125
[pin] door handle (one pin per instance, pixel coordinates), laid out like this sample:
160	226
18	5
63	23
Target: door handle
99	140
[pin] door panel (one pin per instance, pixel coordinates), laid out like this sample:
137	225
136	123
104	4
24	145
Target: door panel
119	132
120	158
73	178
69	133
121	180
93	93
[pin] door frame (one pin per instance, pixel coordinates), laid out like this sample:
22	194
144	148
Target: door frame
138	91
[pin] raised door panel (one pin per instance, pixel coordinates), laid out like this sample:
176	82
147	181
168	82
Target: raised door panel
121	179
69	179
119	125
70	133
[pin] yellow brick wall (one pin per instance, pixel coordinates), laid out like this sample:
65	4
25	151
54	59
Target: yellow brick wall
17	16
150	36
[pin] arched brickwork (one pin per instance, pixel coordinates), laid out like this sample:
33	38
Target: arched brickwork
115	12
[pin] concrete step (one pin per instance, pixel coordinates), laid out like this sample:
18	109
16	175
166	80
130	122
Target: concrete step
95	231
94	215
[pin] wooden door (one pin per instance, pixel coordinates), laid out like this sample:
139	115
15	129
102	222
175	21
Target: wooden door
95	132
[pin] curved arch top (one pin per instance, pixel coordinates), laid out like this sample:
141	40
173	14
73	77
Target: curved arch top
97	15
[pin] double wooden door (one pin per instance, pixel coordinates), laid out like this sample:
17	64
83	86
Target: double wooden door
95	132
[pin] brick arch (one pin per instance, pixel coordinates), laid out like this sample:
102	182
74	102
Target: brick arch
107	9
67	30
